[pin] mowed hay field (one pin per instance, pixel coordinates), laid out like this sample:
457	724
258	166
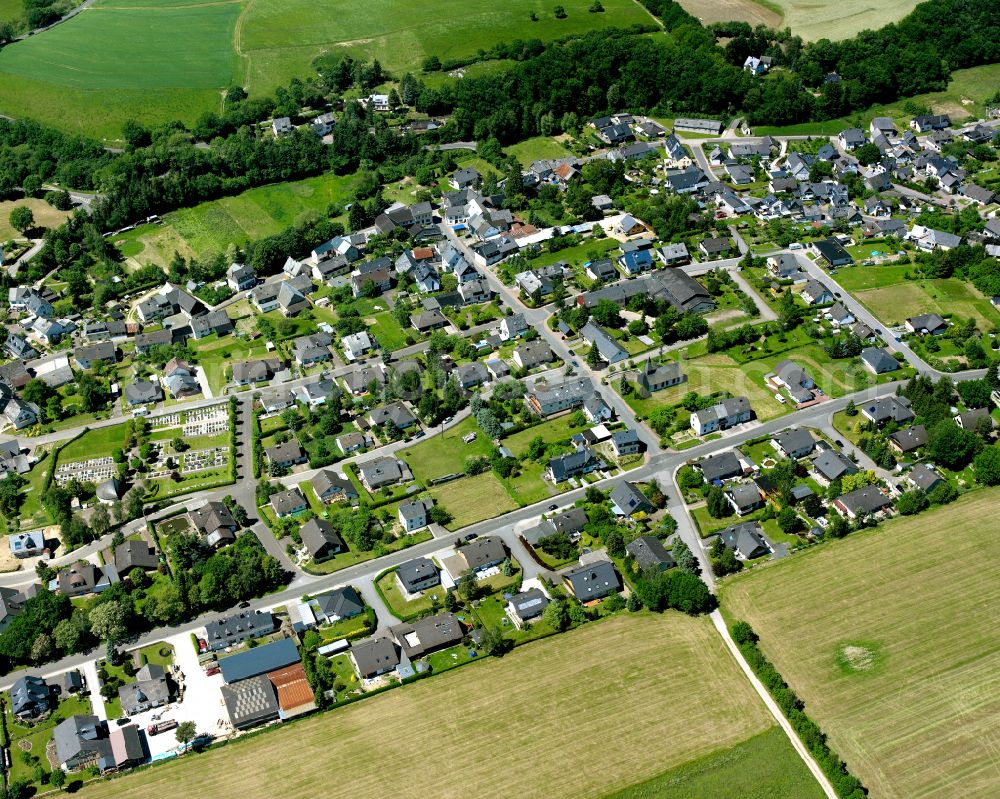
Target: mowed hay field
45	216
119	60
893	304
280	39
810	19
208	228
578	715
890	638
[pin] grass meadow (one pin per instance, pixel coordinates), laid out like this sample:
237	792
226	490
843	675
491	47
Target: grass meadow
208	228
45	216
886	637
279	40
640	693
118	60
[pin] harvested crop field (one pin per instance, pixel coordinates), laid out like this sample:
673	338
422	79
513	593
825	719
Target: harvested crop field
888	638
578	715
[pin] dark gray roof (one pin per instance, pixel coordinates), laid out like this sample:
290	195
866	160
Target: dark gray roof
910	438
529	604
318	535
833	464
649	553
343	603
375	656
864	500
135	554
238	627
593	580
415	572
250	701
721	466
483	551
570	521
287	501
259	660
745	540
627	497
427	635
327	481
879	360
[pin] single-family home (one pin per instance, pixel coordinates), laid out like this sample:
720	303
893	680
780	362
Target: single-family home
831	464
626	499
382	471
321	539
745	498
795	443
866	501
926	324
285	455
815	293
878	360
526	606
592	581
888	409
745	540
413	514
531	354
215	523
545	399
357	345
288	503
908	439
583	460
649	554
331	487
418	575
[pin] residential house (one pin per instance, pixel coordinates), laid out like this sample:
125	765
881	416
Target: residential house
217	322
425	636
82	741
351	442
861	502
852	138
513	326
715	247
18	347
26	545
888	409
720	467
924	477
674	286
29	300
625	442
30	697
470	375
609	349
526	606
673	254
795	443
288	503
831	464
815	293
215	523
592	580
331	487
833	252
795	379
745	540
417	575
395	413
142	392
704	126
312	349
546	399
722	416
233	630
465	179
89	356
908	439
321	539
382	471
745	498
480	554
374	657
878	360
926	324
971	419
168	301
650	555
627	499
583	460
357	345
839	315
240	277
151	689
531	354
285	455
84	578
413	514
135	555
475	291
341	603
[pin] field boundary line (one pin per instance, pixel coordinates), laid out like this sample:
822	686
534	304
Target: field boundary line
784	723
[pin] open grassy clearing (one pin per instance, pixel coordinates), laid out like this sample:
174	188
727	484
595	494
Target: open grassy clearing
472	499
762	767
279	41
445	453
537	148
615	684
892	304
821	19
115	62
885	638
45	216
100	442
210	227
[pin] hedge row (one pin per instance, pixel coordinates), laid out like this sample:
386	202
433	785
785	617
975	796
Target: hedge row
844	783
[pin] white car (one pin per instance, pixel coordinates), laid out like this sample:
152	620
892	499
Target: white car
780	398
795	246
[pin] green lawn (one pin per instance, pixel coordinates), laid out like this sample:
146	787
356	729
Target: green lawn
208	228
114	62
32	513
98	443
892	303
535	149
473	499
551	431
38	736
445	453
401	608
353	557
159	654
762	767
